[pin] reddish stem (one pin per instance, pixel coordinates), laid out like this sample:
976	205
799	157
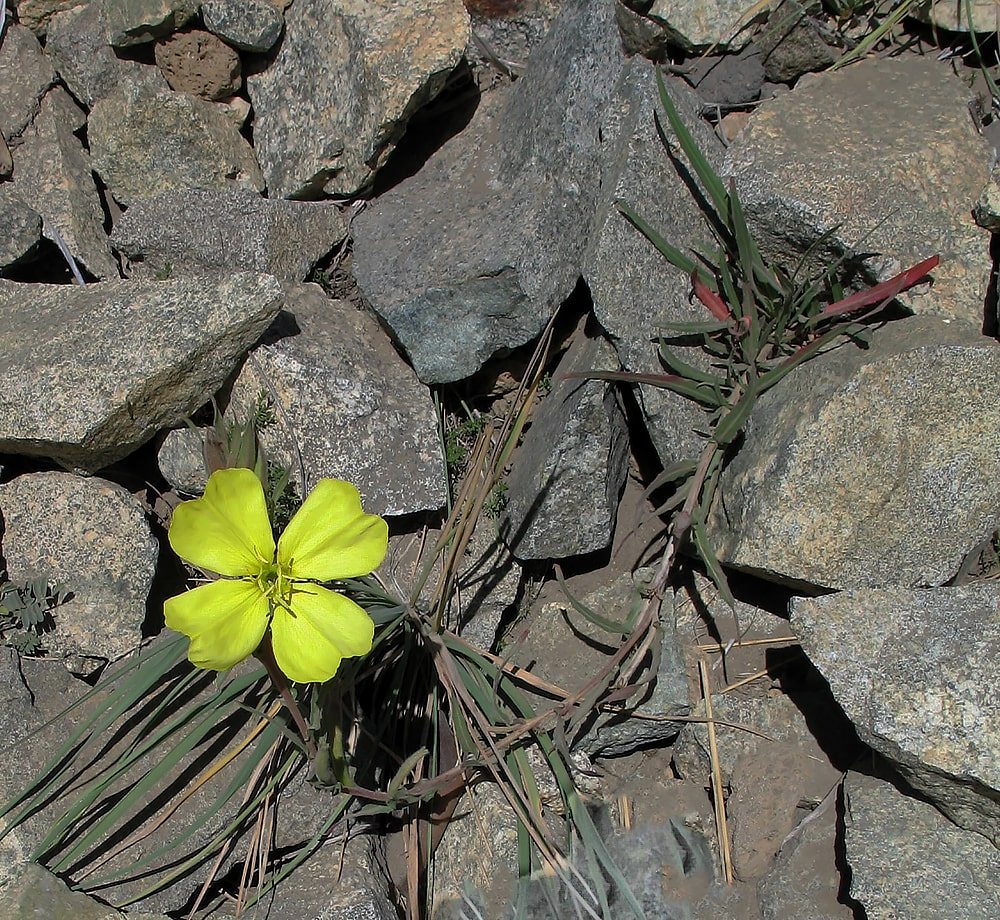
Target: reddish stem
265	654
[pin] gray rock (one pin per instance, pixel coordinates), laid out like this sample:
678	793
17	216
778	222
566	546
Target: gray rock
568	649
382	62
133	22
805	881
251	25
836	156
90	373
933	709
729	79
944	14
20	228
635	289
35	892
791	43
779	724
25	76
146	141
78	46
181	459
191	231
478	848
486	585
866	468
509	35
568	472
91	538
695	25
348	402
907	860
343	883
471	255
38	14
53	172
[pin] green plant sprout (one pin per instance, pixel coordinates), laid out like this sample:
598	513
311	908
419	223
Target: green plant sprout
764	324
26	612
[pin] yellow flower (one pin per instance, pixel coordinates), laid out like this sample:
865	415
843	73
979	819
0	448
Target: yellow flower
227	531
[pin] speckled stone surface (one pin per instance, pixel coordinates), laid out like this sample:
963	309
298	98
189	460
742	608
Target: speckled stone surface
91	538
251	25
20	227
134	22
146	141
54	173
699	24
78	46
346	80
572	462
192	231
870	468
828	158
470	256
635	289
350	403
25	74
933	708
908	862
87	374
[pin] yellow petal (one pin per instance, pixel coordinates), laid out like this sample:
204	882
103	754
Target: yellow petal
330	537
226	530
322	628
224	619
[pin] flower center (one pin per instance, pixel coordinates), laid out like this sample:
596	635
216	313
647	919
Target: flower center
276	585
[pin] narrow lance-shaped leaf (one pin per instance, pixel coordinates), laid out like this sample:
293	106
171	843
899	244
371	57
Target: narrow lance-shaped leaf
716	306
884	291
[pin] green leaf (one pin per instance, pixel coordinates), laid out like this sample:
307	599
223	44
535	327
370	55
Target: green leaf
709	179
703	545
689	371
673	255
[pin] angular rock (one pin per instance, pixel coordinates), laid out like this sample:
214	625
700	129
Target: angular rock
695	25
867	467
35	892
78	46
836	156
486	585
90	373
20	228
568	472
352	886
134	22
54	174
907	860
478	848
635	289
933	709
472	254
944	14
147	141
805	881
199	63
38	14
25	76
381	61
508	33
181	460
348	402
728	79
191	231
791	44
91	538
559	643
250	25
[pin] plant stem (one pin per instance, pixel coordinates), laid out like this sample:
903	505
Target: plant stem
265	654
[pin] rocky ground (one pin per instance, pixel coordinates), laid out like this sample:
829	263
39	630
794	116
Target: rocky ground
369	212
